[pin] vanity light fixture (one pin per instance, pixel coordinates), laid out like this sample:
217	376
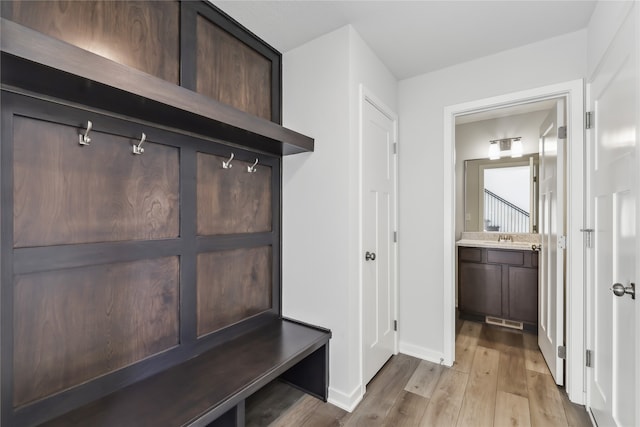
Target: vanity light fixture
516	147
494	150
505	147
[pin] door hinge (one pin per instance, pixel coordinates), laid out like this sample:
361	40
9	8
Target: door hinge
395	237
562	352
588	117
588	236
395	325
395	148
562	242
562	132
588	358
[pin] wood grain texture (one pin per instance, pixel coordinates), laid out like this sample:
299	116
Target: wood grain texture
577	415
502	339
74	325
297	414
511	411
140	34
268	403
532	356
65	193
544	401
444	406
46	65
307	411
466	343
479	401
446	401
231	286
407	411
182	394
510	344
382	392
424	379
232	200
512	375
523	294
480	288
229	71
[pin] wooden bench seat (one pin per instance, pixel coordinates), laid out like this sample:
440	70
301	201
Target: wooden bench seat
210	389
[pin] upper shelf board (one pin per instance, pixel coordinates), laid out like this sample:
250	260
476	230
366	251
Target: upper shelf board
39	63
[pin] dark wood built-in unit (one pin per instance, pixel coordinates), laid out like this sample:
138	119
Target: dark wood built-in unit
498	283
140	34
140	226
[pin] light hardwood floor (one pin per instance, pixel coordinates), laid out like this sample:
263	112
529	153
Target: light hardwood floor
499	379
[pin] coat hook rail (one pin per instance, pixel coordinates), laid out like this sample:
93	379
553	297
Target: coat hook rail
137	148
227	164
252	168
84	139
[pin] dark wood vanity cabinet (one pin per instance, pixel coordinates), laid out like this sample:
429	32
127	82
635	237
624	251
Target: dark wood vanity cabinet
499	283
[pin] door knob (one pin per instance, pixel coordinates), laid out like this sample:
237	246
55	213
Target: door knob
370	256
619	290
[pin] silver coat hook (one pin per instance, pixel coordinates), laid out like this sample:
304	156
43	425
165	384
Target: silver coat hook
227	164
252	168
137	148
84	139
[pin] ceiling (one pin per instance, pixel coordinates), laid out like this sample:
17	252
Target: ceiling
414	37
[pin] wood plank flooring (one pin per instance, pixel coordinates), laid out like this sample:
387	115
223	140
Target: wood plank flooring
499	379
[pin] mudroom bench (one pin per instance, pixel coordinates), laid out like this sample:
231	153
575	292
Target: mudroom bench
141	218
210	389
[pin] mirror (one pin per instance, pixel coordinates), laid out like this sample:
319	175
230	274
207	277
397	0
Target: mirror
501	195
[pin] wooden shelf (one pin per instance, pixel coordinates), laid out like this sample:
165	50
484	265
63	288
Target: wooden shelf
37	63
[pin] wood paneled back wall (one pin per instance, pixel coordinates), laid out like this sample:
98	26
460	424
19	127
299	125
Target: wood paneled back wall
117	265
188	43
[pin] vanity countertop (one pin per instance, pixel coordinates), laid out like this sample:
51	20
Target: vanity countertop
520	241
494	244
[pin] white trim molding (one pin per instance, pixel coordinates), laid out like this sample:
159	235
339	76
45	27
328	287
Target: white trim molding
573	92
422	353
346	401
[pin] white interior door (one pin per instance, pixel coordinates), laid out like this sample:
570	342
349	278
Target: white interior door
552	225
378	257
613	199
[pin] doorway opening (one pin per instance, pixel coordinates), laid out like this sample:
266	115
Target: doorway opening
572	93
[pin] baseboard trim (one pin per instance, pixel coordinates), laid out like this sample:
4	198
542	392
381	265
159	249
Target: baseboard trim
424	353
346	401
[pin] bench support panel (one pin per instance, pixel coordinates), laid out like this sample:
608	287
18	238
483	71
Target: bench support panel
311	374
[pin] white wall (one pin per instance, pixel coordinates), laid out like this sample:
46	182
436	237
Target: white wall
421	101
472	142
320	194
605	21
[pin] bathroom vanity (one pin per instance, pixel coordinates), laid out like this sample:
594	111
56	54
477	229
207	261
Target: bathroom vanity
498	282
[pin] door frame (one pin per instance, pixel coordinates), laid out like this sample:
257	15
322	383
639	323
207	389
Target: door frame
368	96
573	92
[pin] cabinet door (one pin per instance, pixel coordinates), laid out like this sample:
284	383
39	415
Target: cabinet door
480	288
523	294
